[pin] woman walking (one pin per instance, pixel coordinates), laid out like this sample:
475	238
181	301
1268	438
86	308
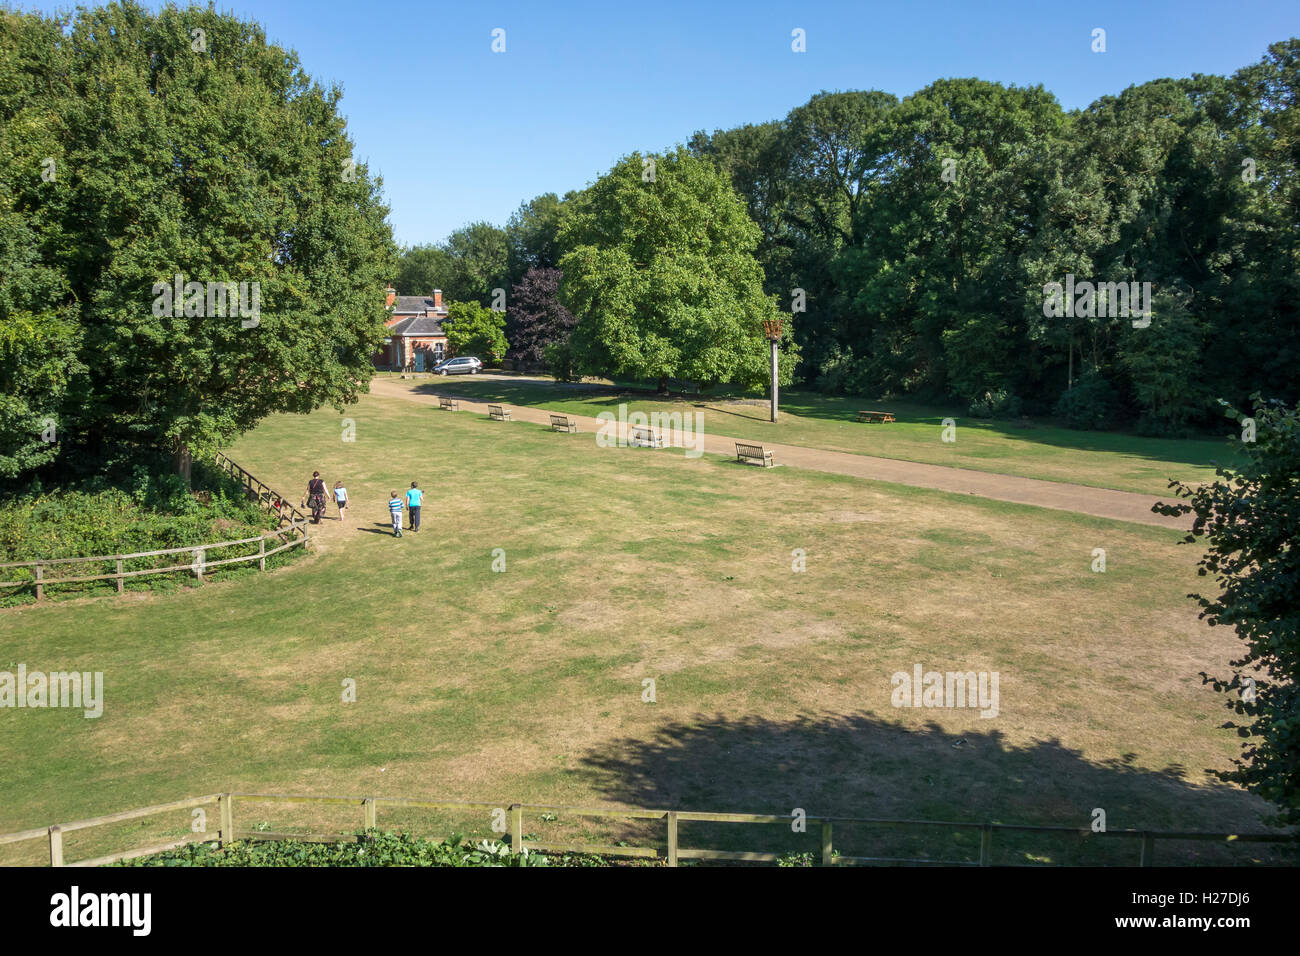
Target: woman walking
316	496
341	499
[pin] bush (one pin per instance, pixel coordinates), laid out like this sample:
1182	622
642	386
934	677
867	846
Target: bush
998	404
842	374
371	849
1092	403
148	512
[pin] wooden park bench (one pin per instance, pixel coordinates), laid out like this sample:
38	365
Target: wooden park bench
684	387
747	453
875	416
498	414
564	423
451	403
644	437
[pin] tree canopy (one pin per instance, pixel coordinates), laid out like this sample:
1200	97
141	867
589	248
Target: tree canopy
661	276
178	148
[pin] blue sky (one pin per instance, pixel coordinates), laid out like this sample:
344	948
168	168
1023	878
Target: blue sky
460	133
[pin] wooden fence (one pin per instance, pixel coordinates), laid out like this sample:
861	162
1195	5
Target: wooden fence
199	563
673	851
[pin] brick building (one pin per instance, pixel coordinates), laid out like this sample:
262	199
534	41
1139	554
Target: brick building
415	336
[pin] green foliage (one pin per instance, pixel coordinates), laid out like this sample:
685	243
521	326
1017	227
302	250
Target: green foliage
226	163
150	510
422	269
995	404
661	277
1250	521
370	849
475	330
1091	404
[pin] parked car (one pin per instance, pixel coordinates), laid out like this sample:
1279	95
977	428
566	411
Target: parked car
461	365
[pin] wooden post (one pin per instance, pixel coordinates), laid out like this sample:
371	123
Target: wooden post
672	837
516	827
40	588
120	582
198	564
56	846
1148	849
261	554
227	811
986	845
827	859
368	813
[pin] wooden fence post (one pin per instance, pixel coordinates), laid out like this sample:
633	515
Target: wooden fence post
261	554
198	564
120	582
672	837
368	813
827	859
516	827
986	845
227	832
1148	849
56	846
40	588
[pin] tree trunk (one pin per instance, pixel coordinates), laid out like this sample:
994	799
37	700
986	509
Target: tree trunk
181	459
663	385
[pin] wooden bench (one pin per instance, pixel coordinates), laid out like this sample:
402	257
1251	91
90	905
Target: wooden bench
747	453
686	388
564	423
451	403
498	414
875	416
643	437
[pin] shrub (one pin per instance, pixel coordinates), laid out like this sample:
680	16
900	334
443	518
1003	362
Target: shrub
995	404
1092	403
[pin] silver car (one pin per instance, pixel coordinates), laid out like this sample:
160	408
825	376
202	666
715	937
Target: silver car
461	365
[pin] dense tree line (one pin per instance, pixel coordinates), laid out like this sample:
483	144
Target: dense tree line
923	233
186	243
914	244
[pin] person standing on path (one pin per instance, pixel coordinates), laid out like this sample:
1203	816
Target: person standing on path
414	498
341	499
395	509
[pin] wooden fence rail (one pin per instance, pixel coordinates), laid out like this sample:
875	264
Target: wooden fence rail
199	562
673	850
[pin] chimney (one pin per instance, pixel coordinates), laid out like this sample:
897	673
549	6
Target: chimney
437	298
392	297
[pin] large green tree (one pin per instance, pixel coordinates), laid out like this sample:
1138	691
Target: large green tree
187	145
1250	521
662	278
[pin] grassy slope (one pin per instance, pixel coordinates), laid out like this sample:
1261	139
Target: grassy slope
773	687
1101	459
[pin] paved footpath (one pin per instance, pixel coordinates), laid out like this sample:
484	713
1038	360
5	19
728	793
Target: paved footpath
1082	499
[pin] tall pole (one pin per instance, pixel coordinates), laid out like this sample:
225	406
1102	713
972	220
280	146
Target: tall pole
774	385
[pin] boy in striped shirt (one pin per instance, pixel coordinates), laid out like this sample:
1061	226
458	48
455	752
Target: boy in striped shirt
395	509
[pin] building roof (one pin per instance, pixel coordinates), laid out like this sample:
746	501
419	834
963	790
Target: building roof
415	303
417	325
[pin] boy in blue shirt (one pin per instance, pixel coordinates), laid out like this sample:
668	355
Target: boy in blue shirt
395	509
414	498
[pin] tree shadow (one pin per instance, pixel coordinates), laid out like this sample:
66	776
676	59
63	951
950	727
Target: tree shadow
865	767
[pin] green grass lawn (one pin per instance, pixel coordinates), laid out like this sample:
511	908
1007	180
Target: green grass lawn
773	687
1102	459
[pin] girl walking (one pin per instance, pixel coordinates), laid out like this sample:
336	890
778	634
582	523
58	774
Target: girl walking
341	499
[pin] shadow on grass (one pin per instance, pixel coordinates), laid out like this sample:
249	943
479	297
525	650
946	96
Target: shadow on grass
863	766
